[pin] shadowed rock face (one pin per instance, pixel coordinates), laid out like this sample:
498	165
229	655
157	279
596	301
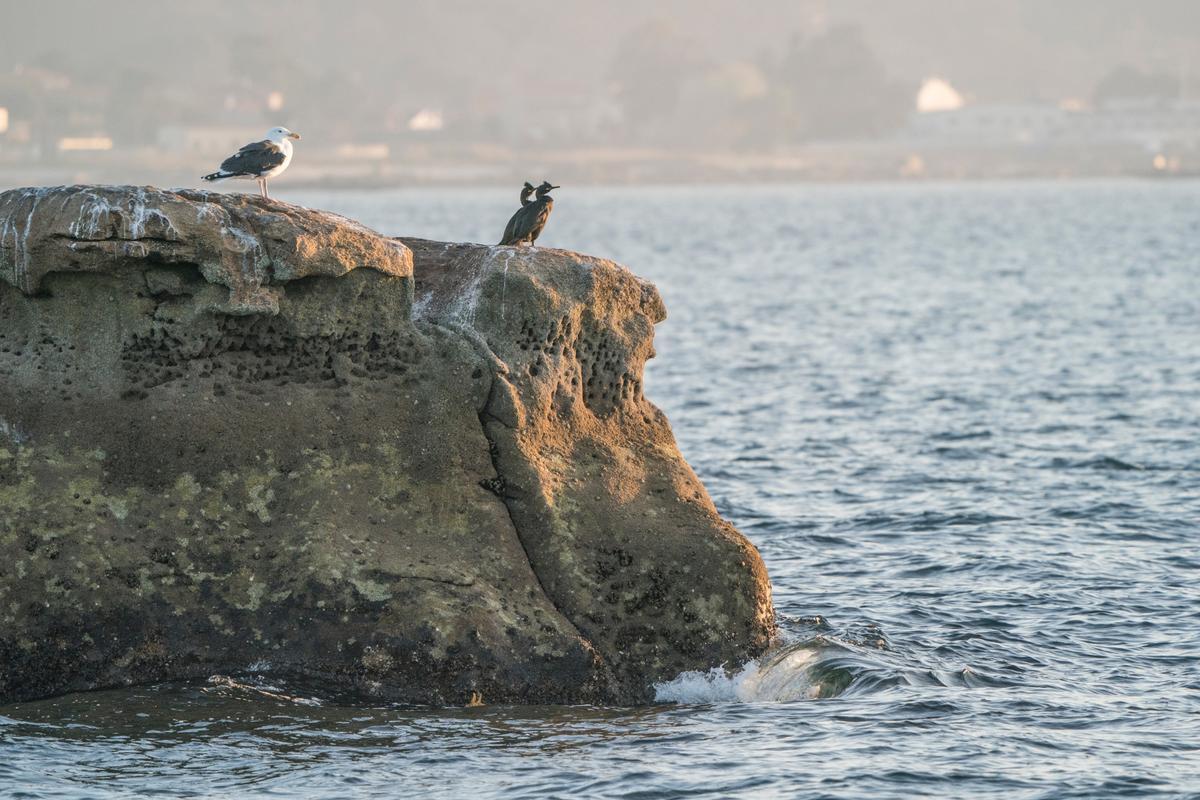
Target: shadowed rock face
237	435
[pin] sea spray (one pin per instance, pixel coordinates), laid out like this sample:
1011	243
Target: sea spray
781	676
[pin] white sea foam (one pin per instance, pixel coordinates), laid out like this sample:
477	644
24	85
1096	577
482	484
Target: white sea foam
779	677
255	685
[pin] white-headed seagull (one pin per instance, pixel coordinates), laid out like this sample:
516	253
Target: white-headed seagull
259	160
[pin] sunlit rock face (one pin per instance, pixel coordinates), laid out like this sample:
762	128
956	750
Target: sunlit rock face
244	244
238	435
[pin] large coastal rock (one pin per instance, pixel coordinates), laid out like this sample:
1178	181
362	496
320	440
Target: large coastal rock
237	435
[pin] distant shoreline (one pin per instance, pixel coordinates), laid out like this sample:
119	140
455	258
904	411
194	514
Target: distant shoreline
825	163
8	181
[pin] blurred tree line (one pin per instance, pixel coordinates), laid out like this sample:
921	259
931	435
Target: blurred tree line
825	86
612	75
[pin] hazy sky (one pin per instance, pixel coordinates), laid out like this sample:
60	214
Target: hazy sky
994	49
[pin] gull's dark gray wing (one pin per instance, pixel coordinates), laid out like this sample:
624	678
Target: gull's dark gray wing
254	159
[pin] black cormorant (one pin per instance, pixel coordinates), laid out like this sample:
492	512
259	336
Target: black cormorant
512	223
530	220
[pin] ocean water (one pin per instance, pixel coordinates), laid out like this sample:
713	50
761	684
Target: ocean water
962	425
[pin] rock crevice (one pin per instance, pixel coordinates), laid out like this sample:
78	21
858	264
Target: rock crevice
498	486
238	433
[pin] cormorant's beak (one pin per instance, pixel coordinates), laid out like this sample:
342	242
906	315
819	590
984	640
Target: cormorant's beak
554	187
293	136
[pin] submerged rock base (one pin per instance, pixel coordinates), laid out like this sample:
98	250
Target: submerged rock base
236	434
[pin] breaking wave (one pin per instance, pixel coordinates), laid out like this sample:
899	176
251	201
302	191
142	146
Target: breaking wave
797	671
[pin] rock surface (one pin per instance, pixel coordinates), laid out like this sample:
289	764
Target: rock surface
237	435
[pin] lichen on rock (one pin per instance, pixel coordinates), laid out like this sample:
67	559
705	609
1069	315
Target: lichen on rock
235	432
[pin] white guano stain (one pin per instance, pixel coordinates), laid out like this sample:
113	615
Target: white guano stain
466	305
16	226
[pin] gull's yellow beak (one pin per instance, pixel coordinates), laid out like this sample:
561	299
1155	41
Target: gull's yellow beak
293	136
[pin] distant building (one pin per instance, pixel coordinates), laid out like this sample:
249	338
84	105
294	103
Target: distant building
937	94
85	144
427	119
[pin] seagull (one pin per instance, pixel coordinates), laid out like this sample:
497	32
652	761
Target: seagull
259	160
512	223
527	225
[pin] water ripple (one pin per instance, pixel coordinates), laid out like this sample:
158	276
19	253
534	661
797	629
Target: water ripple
960	423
